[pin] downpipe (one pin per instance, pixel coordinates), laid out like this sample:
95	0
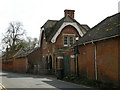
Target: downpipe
96	76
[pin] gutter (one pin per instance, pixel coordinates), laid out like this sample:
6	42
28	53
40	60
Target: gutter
96	40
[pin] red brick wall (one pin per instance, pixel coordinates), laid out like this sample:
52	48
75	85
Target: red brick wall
67	30
108	68
7	65
35	57
86	61
69	12
20	65
44	50
119	59
59	42
72	66
107	59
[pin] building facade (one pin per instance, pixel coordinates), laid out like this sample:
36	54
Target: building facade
56	36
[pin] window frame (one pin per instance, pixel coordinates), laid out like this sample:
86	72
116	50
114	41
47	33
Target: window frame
68	39
64	40
72	40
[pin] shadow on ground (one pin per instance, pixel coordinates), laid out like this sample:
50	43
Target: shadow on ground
48	79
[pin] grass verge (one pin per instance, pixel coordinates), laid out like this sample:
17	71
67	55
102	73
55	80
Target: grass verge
89	82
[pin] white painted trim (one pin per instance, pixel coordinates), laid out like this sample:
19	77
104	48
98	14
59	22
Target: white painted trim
65	45
53	40
42	29
59	57
40	38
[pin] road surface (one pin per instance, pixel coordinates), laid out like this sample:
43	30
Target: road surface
18	80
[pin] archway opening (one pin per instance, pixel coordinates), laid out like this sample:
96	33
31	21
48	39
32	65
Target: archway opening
46	63
50	62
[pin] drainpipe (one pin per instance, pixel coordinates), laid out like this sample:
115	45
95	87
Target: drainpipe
95	62
27	67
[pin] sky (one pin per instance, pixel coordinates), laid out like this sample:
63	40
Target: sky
34	13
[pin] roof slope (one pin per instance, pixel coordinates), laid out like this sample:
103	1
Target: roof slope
107	28
86	27
26	53
19	53
10	54
49	23
52	26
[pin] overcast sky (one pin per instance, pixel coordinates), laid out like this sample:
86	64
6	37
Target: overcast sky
34	13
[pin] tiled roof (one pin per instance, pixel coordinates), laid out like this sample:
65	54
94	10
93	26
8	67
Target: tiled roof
19	53
49	24
86	27
107	28
10	54
23	53
52	26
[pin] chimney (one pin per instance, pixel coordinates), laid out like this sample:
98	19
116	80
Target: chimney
69	12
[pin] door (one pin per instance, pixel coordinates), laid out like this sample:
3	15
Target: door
67	65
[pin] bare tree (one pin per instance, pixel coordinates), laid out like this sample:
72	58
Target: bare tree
31	43
14	34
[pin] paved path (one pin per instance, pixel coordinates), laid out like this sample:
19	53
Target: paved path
17	80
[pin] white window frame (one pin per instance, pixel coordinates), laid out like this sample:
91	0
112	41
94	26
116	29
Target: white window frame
68	39
64	40
72	39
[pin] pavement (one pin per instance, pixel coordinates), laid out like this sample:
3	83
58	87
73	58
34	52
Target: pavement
10	81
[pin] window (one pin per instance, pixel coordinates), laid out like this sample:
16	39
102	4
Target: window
44	43
65	41
68	40
71	40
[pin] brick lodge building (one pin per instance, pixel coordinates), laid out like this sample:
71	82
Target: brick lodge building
99	57
56	37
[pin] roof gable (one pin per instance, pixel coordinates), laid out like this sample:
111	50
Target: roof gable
53	40
51	31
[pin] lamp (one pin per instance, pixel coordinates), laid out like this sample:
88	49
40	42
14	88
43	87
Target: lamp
76	37
76	48
76	53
